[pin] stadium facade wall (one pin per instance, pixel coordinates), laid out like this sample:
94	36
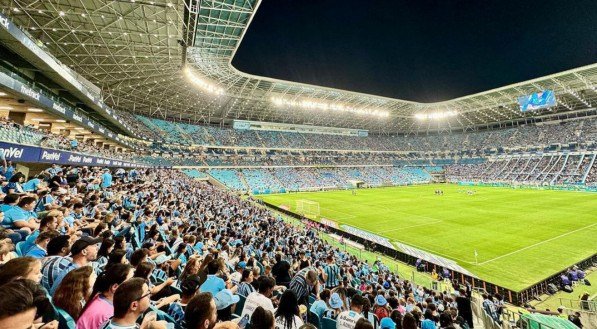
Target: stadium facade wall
512	296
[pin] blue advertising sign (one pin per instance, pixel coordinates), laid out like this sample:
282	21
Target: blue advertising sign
34	154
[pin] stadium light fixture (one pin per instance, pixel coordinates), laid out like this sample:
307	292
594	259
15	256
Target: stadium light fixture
325	106
435	115
203	84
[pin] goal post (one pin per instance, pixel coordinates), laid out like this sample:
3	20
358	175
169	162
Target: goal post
308	208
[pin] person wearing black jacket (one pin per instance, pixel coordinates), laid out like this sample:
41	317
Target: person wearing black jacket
465	310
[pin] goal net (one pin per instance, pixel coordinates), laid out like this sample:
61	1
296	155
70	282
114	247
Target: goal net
307	208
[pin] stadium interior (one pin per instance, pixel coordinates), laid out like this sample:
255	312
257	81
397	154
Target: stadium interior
148	183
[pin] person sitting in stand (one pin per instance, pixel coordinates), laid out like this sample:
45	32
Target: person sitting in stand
131	299
39	250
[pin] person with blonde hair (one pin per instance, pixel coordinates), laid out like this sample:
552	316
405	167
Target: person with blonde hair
75	290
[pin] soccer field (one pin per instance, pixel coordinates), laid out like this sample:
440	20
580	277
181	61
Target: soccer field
521	236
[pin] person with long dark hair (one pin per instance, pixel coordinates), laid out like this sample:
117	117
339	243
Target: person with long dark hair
262	319
75	290
14	184
245	287
287	314
104	251
100	306
409	322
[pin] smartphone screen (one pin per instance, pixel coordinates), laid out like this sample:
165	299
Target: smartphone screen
244	321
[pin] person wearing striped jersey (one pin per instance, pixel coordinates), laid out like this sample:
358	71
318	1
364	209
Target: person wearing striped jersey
331	273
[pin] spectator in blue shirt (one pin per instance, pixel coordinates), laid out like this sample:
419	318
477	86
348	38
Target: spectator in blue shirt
321	306
213	284
106	179
47	224
9	171
39	250
14	184
9	202
54	169
33	184
22	217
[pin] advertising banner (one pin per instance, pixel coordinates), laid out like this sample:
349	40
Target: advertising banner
34	154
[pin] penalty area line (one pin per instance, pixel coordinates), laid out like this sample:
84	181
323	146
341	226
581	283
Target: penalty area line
537	244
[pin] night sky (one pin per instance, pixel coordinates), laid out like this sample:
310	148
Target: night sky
418	50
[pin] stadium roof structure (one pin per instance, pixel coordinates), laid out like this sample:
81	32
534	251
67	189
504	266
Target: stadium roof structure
136	51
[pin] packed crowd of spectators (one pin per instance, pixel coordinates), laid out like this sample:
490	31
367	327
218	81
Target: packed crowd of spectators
157	249
13	132
580	132
546	169
312	178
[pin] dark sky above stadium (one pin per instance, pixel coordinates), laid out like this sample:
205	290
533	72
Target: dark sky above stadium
420	50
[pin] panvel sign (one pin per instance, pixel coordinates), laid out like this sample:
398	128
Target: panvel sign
26	153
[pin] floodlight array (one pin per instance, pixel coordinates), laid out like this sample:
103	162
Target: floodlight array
203	84
435	115
326	106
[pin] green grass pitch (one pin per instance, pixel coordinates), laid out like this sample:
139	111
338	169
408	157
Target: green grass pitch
521	236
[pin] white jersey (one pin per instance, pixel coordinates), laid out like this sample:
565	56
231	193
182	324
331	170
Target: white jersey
281	323
347	320
255	300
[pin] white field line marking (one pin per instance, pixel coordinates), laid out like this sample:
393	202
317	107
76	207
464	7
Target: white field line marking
537	244
348	216
417	225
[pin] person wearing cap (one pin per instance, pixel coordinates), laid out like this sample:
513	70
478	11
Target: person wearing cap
348	319
238	273
83	252
380	309
189	288
224	301
387	323
336	305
